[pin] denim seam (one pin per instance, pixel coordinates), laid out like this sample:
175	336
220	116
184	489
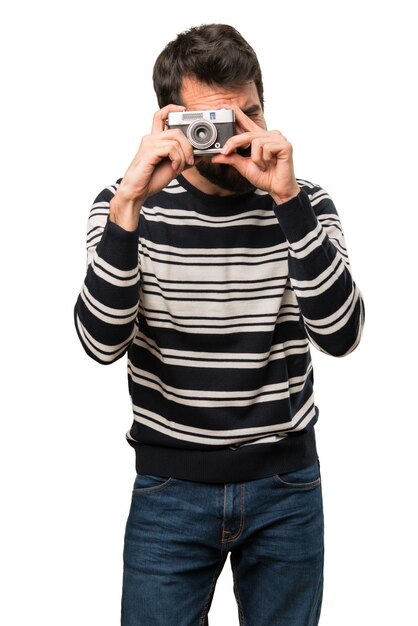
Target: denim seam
210	593
154	488
241	522
316	605
224	515
310	485
241	617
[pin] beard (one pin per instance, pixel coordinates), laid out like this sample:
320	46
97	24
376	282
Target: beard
225	176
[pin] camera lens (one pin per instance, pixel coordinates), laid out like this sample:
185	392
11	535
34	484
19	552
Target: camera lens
201	134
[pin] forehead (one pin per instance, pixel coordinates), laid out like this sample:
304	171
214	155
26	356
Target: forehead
197	95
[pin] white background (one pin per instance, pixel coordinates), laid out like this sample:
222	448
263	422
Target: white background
340	80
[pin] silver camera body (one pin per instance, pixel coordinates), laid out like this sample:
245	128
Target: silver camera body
207	131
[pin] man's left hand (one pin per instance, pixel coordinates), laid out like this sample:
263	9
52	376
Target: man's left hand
270	166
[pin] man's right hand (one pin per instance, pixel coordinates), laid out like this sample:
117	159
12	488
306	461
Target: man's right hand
162	156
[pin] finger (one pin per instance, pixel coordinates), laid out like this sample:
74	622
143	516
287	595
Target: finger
276	135
257	154
245	122
160	117
176	156
234	159
177	135
169	149
196	160
242	140
237	141
275	149
270	152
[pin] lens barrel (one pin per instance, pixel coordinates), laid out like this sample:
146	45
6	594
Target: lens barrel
201	134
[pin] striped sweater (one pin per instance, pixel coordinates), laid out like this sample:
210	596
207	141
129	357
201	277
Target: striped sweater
215	301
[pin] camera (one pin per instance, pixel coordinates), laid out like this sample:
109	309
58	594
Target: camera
207	131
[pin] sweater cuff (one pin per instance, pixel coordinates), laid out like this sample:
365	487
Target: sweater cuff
118	246
297	217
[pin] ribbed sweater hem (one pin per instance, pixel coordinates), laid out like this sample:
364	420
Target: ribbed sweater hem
251	462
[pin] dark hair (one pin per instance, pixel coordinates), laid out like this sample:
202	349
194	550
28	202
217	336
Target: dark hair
215	54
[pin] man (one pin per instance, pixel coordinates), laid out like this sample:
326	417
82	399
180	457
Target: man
213	274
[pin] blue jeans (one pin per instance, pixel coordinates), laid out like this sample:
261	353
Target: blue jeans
179	533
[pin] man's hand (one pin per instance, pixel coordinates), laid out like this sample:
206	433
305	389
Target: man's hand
162	156
270	166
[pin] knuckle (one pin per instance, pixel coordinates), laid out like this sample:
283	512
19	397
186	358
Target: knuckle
146	139
175	134
179	134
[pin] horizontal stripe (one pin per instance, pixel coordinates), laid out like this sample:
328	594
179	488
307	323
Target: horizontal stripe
320	284
301	248
220	399
318	197
232	283
218	254
190	288
104	353
217	329
217	323
128	314
175	190
228	295
336	320
116	272
265	439
99	205
245	360
107	319
258	274
218	437
219	262
192	218
305	183
220	307
216	320
174	185
341	250
109	278
330	217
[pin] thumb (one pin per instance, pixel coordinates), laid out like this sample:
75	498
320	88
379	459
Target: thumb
233	159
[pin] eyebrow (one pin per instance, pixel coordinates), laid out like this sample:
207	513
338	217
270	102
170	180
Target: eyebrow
254	108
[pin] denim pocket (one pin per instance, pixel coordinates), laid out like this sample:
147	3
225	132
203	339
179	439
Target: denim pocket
307	478
146	483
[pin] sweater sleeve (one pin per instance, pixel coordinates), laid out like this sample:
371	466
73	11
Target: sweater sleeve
331	305
106	308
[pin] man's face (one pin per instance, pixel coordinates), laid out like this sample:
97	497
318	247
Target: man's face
197	96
